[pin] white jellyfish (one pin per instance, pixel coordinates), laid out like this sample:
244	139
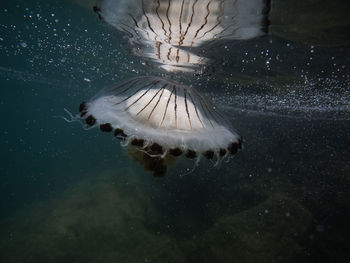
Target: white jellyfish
162	120
166	30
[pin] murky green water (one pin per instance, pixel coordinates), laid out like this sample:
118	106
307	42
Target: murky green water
71	195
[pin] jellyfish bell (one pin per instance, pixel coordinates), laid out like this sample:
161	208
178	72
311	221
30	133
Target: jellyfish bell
162	120
168	31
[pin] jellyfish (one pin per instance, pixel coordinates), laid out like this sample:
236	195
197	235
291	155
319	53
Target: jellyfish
165	31
162	120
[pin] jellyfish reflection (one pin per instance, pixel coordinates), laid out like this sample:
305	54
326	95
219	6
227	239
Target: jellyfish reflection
166	30
161	119
157	118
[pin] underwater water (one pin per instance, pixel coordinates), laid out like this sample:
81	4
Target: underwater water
73	195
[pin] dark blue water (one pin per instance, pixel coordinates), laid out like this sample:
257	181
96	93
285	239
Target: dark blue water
71	195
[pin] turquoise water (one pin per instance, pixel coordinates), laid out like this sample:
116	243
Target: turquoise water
71	195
